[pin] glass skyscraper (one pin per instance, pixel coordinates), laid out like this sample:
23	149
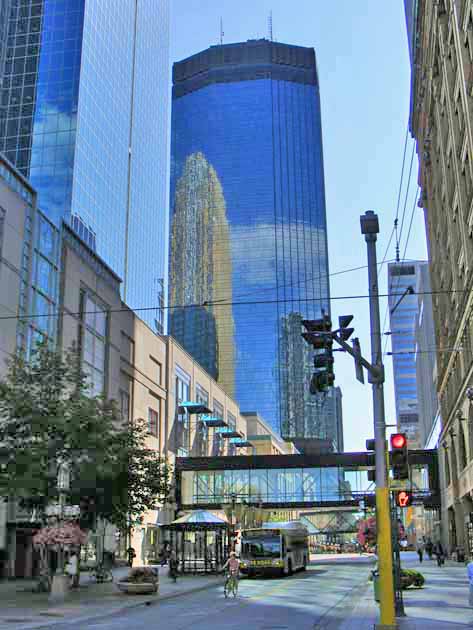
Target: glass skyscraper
83	115
248	242
404	311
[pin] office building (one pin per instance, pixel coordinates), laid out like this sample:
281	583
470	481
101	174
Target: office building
441	123
425	360
148	375
248	239
83	117
403	311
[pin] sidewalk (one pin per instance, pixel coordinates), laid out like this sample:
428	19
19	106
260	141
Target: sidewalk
22	609
442	604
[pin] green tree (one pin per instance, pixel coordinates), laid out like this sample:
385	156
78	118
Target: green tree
48	415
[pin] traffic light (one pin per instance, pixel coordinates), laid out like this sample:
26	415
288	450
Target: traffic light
403	498
345	332
319	335
318	332
399	456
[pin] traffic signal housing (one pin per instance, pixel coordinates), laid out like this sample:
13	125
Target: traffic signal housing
403	498
319	335
399	456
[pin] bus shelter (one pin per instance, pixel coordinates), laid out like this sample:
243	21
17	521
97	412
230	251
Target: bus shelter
200	540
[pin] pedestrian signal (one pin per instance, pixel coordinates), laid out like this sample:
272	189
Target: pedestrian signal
404	498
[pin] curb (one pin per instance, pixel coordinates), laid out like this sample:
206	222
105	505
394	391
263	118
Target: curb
118	611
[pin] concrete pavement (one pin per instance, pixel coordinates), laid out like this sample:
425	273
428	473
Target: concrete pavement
21	609
442	604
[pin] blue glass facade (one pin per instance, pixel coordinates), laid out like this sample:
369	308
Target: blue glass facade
403	318
84	117
248	229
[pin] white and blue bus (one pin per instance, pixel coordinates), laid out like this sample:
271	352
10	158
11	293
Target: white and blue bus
276	548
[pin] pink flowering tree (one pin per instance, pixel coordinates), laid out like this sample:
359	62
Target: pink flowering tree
64	536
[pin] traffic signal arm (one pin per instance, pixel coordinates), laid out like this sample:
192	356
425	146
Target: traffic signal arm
376	372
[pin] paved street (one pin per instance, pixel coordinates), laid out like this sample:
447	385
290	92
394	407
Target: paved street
298	602
334	594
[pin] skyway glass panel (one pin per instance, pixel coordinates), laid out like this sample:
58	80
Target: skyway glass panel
280	485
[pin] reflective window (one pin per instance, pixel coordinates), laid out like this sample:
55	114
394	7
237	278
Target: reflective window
84	116
182	395
248	225
45	276
93	342
153	422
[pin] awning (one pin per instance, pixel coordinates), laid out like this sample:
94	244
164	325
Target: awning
240	442
228	432
213	421
198	520
193	407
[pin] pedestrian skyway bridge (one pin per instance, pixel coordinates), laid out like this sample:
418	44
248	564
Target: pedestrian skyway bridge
294	481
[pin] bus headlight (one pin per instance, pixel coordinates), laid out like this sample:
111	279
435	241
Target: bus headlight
278	563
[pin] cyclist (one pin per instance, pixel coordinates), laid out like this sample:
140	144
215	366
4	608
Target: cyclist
232	565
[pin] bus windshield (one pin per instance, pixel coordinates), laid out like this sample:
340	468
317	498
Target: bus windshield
263	547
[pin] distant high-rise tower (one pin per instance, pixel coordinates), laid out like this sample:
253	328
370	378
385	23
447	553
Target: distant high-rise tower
83	115
403	308
248	249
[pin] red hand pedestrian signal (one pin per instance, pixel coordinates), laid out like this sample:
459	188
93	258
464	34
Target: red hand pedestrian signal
404	498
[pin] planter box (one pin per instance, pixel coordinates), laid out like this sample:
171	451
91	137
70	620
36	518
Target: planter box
143	588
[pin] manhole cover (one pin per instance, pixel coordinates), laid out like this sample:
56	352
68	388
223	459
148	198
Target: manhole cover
51	614
15	620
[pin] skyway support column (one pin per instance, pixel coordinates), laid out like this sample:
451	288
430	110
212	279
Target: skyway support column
370	229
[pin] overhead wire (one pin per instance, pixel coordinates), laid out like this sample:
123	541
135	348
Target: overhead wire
396	220
230	303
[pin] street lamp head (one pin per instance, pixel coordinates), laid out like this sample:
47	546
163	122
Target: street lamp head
369	223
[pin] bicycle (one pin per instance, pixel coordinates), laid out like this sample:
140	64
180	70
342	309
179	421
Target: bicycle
231	585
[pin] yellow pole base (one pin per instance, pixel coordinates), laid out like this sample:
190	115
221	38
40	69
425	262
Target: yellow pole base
385	561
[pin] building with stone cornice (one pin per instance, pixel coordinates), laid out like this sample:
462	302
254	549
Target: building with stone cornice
441	118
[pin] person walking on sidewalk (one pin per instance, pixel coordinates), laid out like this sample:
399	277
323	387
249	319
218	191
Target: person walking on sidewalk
438	553
469	568
420	548
429	548
173	565
131	553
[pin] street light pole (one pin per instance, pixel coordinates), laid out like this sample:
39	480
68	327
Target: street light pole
370	229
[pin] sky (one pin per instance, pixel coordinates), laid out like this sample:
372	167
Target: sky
364	74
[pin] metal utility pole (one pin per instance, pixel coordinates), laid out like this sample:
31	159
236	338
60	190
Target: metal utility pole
370	229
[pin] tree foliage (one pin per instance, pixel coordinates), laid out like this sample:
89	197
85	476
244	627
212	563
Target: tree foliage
48	415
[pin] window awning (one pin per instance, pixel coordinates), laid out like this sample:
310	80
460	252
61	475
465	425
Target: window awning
213	421
193	407
228	432
240	442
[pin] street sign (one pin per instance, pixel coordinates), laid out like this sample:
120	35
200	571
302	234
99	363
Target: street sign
358	367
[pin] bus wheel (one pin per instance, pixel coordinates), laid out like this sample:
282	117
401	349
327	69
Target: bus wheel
289	567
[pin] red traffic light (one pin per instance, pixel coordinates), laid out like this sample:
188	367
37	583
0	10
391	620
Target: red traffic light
398	440
404	498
